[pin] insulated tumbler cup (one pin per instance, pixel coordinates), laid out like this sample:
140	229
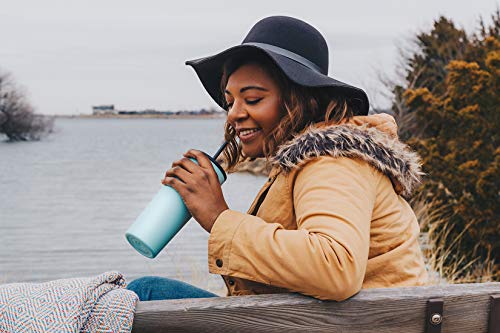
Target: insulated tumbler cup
162	218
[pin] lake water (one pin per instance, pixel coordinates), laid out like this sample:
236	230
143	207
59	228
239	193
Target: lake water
66	201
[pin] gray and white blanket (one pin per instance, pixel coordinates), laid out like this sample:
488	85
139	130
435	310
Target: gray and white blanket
96	304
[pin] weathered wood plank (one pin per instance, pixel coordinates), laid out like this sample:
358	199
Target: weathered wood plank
389	310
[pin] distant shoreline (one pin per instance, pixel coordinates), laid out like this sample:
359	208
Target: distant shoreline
130	116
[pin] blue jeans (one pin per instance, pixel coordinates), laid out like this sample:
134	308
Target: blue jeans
155	288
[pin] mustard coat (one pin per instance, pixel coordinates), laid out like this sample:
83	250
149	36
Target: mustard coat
330	220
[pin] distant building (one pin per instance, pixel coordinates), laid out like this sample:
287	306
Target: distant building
109	109
103	109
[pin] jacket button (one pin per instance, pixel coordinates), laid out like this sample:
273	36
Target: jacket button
269	179
231	282
218	262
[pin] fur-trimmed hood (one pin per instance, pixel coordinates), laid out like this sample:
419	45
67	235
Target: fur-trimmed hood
370	138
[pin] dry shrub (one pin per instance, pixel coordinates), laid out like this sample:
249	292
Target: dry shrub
18	120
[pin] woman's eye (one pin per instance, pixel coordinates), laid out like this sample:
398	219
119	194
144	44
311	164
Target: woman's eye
251	102
255	101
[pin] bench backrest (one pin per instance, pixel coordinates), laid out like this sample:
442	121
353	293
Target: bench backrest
464	308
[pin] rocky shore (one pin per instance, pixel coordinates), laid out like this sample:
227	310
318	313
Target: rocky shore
256	167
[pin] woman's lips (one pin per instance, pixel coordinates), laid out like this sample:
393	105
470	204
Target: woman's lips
248	135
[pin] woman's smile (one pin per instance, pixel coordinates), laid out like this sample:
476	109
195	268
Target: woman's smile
248	134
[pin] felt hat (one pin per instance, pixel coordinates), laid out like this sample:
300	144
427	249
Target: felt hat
296	47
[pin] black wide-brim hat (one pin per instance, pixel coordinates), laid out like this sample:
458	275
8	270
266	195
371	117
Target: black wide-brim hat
296	47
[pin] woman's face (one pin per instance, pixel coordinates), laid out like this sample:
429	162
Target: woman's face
253	100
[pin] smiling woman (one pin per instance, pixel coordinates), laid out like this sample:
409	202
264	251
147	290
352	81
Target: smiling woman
269	98
253	107
332	217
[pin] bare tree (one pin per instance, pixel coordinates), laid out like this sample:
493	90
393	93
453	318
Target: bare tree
393	84
18	120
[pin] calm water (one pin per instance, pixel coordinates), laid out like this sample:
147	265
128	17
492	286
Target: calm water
66	201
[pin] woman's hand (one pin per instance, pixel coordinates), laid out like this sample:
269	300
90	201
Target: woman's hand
198	186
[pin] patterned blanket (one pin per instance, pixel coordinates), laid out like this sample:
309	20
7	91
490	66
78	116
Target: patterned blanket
97	304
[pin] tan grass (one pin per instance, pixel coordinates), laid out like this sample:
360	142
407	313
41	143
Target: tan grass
442	249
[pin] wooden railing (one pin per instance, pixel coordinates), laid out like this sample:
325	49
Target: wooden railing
471	308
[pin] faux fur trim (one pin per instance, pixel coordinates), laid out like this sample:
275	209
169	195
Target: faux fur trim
388	155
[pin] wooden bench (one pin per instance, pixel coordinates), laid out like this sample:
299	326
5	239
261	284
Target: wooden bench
451	308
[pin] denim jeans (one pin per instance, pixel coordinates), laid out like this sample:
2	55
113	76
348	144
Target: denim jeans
154	288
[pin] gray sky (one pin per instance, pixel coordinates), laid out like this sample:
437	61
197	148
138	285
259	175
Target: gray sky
70	55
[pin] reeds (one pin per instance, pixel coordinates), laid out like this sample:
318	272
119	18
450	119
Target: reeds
443	251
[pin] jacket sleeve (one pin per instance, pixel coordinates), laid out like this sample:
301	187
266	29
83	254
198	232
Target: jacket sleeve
326	256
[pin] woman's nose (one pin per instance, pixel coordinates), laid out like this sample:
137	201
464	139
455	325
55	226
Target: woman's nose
237	112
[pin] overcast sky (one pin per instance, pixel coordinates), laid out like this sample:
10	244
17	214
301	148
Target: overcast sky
70	55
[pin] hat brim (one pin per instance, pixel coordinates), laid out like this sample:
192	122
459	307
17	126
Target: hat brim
209	70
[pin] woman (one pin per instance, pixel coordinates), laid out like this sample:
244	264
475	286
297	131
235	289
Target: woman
331	219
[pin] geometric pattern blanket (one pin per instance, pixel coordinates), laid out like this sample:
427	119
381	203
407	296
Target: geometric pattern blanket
96	304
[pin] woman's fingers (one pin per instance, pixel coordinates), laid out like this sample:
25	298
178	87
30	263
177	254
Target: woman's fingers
205	164
174	183
186	164
202	159
178	172
193	176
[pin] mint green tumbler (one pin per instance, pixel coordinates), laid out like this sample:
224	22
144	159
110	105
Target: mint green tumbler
162	218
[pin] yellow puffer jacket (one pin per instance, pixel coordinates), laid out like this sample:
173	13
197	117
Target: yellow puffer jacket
330	220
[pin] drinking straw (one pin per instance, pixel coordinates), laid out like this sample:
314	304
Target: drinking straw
221	148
